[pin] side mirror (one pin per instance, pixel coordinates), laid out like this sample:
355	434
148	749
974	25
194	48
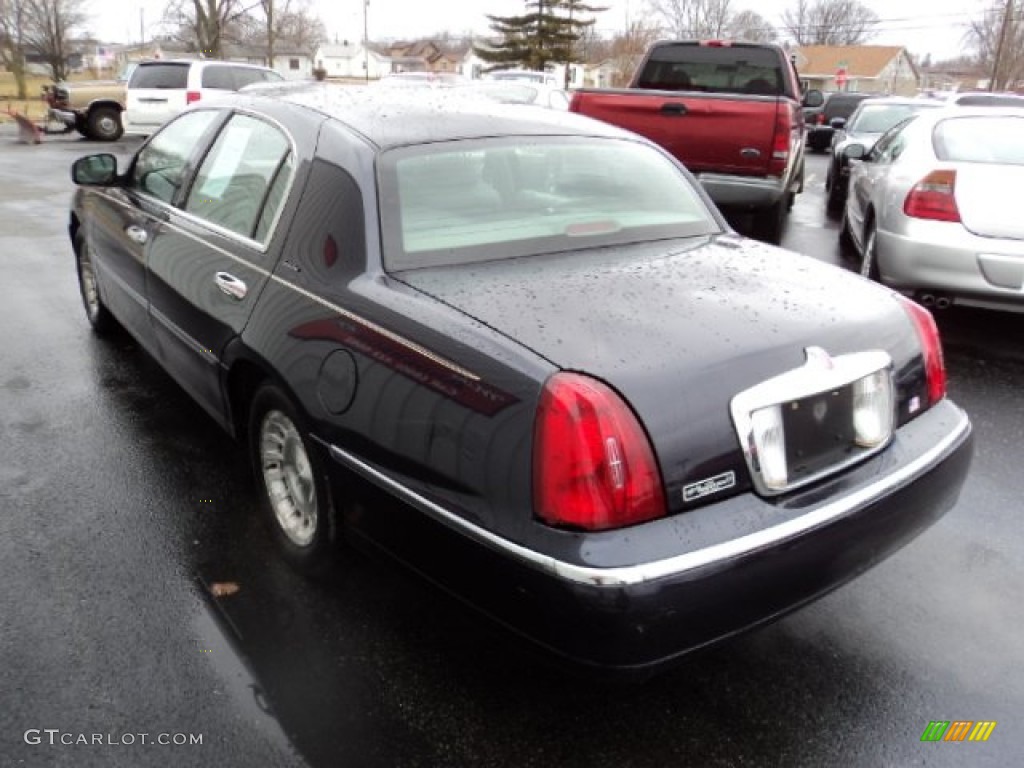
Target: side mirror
855	152
837	123
95	170
813	98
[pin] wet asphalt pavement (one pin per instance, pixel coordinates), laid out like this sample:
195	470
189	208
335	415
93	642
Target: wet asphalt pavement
123	508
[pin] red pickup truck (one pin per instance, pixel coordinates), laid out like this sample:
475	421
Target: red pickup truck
729	111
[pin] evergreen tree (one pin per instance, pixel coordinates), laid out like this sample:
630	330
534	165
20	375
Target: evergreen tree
545	34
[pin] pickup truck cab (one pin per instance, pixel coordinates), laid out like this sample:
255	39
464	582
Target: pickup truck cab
729	111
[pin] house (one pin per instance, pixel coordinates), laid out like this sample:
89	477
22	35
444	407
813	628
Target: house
291	62
352	60
881	69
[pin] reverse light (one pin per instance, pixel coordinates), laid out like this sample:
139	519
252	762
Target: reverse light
191	97
593	465
933	197
769	438
872	409
931	348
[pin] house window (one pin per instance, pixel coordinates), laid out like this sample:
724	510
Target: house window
293	64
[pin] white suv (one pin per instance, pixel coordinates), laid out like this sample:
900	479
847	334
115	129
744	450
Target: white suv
159	90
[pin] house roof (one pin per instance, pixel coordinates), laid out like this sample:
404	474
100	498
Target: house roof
858	60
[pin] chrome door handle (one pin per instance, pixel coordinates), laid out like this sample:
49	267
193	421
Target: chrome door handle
230	285
136	234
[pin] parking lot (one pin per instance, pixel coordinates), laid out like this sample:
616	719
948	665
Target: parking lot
142	596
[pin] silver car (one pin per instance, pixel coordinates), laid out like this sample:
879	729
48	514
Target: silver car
934	208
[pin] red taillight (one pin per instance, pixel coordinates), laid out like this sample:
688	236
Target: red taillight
933	197
593	467
716	43
192	96
780	141
931	348
821	119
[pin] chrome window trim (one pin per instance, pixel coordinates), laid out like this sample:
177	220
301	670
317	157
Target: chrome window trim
410	345
630	575
819	373
256	245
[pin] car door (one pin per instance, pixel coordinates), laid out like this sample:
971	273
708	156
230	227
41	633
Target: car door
121	229
210	260
867	178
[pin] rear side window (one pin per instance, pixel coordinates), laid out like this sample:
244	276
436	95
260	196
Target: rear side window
160	76
244	76
982	139
218	77
713	69
247	169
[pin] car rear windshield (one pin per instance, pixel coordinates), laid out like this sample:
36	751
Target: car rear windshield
160	76
713	69
842	105
879	118
481	200
983	139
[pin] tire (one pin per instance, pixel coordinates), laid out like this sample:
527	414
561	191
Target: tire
291	481
770	222
104	124
869	259
836	199
102	322
847	250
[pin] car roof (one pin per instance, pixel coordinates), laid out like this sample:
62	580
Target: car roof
912	100
422	116
201	62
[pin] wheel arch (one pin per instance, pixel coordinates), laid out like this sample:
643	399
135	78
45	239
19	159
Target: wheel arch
101	103
244	378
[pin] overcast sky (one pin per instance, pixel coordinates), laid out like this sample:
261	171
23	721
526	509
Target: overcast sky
924	26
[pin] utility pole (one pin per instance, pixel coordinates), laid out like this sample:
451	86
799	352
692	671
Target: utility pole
366	40
1007	14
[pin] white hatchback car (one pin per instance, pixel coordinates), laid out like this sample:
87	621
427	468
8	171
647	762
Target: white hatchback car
159	90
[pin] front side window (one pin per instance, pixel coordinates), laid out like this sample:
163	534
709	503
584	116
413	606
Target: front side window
468	201
159	168
241	176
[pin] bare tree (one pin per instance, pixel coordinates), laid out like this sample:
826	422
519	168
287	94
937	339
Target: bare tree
982	39
626	49
829	22
276	23
693	18
47	28
205	25
12	42
750	25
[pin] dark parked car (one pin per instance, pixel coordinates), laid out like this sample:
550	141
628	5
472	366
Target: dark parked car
838	107
871	119
523	353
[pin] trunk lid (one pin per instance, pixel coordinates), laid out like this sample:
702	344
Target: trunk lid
985	208
678	329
